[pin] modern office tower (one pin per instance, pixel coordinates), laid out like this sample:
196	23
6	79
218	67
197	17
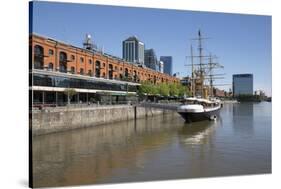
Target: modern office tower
242	84
168	64
133	50
150	59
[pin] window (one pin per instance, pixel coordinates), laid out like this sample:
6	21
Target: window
50	66
97	68
38	57
72	70
81	59
81	71
103	65
110	71
116	68
90	73
72	57
51	52
135	75
90	61
63	62
126	72
58	81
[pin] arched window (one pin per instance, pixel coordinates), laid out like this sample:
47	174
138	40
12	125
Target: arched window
50	66
38	57
72	70
135	75
51	52
72	57
126	72
63	62
110	71
89	72
97	68
81	71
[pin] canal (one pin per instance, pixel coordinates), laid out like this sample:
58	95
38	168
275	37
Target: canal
157	148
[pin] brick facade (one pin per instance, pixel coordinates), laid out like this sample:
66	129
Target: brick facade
83	61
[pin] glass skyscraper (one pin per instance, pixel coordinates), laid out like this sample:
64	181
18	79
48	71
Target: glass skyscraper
242	84
150	59
133	50
168	64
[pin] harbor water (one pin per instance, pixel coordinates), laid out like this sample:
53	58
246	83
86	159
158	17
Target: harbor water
157	148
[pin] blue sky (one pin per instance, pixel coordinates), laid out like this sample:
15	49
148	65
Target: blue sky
242	42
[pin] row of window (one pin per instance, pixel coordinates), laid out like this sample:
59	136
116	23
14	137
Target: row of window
57	81
40	52
39	63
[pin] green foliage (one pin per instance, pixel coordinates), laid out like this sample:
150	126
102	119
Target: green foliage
174	91
70	92
248	98
163	89
154	89
145	88
183	91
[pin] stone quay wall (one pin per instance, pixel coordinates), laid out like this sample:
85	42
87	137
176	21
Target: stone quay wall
67	118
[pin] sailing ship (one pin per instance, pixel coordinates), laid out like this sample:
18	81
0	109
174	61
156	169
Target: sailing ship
202	105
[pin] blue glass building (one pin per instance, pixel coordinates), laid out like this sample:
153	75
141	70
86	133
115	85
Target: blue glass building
242	84
150	59
168	64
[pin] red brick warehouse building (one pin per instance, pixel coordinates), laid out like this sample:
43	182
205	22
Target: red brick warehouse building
56	66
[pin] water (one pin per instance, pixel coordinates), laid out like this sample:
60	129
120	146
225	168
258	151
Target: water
157	148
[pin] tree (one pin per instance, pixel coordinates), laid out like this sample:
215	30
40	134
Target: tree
144	88
70	93
183	90
164	89
154	89
174	91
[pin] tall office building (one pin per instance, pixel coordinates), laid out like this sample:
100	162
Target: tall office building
168	64
242	84
150	59
133	50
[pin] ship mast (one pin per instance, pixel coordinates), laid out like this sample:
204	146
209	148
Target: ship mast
192	73
200	61
205	70
211	66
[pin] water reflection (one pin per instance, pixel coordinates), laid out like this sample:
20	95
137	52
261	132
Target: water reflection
161	147
85	156
243	118
197	133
